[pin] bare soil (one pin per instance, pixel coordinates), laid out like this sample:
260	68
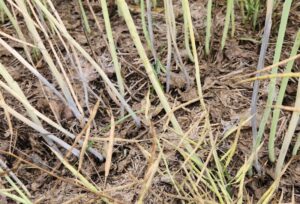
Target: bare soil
227	102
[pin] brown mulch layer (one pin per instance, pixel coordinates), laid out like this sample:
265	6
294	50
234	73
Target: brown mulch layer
226	101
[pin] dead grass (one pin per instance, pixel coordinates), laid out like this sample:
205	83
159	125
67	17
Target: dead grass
191	144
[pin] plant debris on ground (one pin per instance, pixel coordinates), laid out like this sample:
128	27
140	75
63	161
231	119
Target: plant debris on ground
145	102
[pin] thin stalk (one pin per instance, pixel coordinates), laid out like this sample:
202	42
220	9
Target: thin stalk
45	30
13	197
169	39
84	17
40	129
256	10
113	52
154	2
271	76
227	22
269	194
232	17
16	188
15	24
272	85
289	135
297	145
14	177
150	29
14	86
32	70
144	24
46	119
260	65
172	24
152	76
39	43
280	97
186	33
185	4
81	179
1	14
148	33
72	41
208	27
242	7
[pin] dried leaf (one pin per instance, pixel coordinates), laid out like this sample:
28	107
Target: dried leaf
110	146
